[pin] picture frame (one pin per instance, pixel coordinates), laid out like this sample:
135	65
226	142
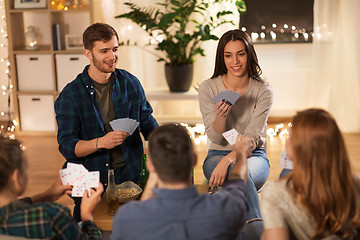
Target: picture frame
19	4
73	42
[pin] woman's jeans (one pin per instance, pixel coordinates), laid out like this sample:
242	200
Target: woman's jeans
258	173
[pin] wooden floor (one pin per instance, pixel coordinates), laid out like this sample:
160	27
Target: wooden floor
44	161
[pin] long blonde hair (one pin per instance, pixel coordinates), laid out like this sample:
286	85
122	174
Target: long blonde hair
322	180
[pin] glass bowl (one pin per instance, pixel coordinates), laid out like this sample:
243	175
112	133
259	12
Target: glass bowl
132	192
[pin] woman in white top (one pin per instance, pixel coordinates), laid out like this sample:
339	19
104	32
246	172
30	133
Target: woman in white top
321	196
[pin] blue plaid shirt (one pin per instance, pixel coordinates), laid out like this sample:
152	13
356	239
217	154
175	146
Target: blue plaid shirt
79	118
48	220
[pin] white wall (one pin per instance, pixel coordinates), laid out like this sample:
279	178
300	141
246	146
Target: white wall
288	69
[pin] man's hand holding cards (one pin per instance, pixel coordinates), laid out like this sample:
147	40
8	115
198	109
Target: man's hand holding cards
79	177
124	124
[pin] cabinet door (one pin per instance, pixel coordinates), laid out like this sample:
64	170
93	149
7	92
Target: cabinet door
37	113
35	72
68	66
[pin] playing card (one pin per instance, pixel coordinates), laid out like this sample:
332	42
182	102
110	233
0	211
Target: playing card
227	96
92	179
124	124
133	127
79	189
285	162
66	177
219	97
232	96
78	176
231	136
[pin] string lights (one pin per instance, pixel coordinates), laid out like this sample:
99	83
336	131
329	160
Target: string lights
8	128
281	130
198	133
280	33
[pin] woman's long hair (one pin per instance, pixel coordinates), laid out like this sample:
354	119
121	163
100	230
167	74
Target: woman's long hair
253	67
322	180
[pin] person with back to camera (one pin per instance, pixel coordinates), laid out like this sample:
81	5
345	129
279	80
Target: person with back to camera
320	197
170	207
37	217
98	95
237	69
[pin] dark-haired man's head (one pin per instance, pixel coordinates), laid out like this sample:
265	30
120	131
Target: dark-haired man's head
98	32
172	154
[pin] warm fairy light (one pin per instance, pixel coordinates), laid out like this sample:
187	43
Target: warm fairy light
9	128
254	36
197	132
306	36
262	35
273	35
280	130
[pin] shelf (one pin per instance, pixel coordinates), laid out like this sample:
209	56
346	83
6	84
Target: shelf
43	49
35	82
32	10
70	10
36	93
165	94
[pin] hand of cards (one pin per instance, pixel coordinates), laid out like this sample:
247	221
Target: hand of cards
124	124
79	177
229	97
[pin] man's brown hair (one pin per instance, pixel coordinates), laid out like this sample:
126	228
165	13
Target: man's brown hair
171	152
98	32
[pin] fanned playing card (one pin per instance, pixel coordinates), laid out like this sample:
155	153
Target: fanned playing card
285	162
124	124
79	177
231	136
228	96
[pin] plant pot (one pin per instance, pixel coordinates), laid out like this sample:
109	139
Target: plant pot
179	78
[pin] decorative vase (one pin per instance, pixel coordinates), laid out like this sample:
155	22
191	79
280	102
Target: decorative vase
31	39
179	78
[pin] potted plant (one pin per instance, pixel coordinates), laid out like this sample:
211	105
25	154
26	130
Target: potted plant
181	26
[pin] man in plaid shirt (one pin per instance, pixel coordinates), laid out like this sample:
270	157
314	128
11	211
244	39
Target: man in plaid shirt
37	217
98	95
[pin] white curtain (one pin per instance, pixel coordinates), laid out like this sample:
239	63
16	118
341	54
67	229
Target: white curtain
336	61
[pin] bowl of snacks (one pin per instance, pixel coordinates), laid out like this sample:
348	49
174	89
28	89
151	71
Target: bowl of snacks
128	191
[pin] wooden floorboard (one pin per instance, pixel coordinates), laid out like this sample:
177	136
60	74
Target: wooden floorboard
44	161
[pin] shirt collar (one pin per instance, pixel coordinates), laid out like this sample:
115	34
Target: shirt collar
88	82
15	205
176	194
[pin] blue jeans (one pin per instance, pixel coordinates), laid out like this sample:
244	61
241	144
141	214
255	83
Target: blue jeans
258	173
